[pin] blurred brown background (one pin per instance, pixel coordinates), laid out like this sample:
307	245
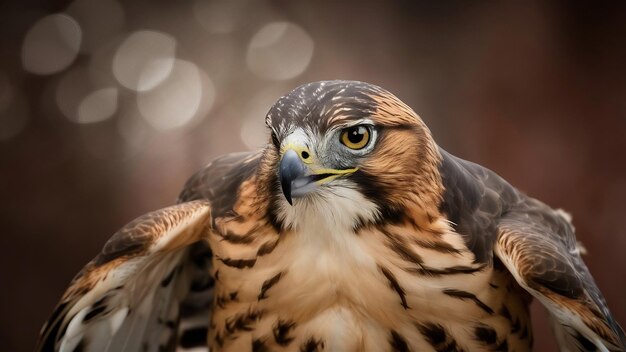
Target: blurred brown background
106	108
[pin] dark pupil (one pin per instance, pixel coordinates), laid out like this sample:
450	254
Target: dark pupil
356	134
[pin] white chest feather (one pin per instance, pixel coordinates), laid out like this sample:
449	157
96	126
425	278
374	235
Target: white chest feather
323	255
352	289
331	267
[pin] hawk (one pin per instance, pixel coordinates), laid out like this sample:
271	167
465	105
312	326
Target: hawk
350	231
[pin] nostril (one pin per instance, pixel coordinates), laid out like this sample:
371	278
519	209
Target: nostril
305	155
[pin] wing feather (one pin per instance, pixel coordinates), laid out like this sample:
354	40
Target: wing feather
538	246
119	286
151	284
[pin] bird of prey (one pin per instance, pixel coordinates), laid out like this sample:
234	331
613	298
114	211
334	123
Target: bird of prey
350	231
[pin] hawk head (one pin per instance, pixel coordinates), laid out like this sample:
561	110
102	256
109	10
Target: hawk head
348	142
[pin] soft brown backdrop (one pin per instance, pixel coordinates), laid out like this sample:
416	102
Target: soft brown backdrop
536	92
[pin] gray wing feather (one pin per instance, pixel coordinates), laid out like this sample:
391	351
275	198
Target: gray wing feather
473	198
536	243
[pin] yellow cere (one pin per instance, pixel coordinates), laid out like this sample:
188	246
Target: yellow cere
299	149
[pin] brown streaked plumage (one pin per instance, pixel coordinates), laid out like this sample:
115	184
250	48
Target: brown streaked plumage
316	244
153	242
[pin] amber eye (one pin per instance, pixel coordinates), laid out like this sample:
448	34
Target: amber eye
355	137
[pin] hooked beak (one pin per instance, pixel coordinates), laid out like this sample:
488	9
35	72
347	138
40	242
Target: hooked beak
291	169
297	179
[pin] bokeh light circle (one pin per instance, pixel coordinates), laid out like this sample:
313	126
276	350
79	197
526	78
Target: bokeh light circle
279	51
51	44
185	94
98	106
144	60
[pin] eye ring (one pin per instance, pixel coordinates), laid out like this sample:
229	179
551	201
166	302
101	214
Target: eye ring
356	137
